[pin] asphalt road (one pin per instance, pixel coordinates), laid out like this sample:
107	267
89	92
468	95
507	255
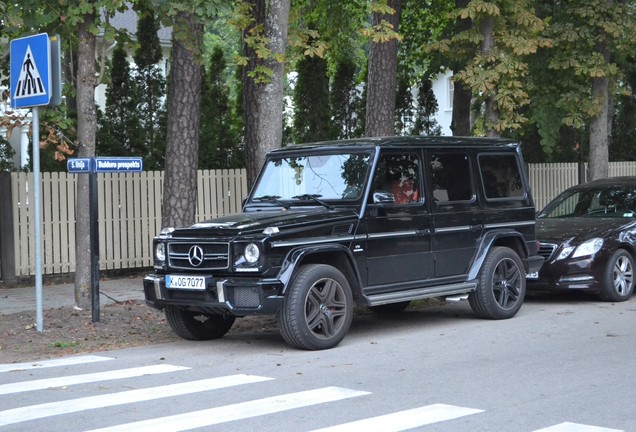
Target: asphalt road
563	364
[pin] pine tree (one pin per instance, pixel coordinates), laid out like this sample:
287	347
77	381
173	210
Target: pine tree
425	123
151	90
218	141
344	99
119	125
311	101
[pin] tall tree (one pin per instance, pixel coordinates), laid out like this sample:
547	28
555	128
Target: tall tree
503	35
382	72
344	99
588	68
119	125
150	85
184	97
311	101
265	40
218	139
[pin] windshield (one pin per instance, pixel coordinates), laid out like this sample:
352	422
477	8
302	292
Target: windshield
326	177
618	202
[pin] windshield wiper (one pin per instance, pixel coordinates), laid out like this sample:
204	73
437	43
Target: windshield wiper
271	199
314	198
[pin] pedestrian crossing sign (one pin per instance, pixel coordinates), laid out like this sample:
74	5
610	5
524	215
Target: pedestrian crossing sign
30	71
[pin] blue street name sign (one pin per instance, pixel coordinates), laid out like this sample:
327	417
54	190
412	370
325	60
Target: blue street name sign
78	165
104	164
118	164
30	71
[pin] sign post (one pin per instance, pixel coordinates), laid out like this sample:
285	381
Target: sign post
92	166
30	84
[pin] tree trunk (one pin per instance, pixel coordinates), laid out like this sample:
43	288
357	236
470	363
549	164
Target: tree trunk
382	79
86	129
462	96
264	101
460	122
599	135
486	28
182	140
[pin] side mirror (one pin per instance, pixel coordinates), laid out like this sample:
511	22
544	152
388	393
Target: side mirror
381	197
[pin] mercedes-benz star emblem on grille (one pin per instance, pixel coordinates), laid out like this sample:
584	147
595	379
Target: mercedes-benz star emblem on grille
195	256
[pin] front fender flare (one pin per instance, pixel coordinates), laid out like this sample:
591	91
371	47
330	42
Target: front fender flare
297	256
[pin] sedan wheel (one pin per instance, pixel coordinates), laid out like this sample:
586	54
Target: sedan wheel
619	277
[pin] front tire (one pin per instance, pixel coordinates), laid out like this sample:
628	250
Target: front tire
318	308
618	283
502	285
197	326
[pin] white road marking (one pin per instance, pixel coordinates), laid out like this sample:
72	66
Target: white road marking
87	378
404	420
239	411
33	412
69	361
575	427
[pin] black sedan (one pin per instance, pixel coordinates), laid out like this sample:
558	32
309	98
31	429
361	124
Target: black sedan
587	237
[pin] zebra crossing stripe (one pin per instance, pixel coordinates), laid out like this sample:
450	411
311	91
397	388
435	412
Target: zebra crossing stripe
69	361
87	378
404	420
34	412
575	427
239	411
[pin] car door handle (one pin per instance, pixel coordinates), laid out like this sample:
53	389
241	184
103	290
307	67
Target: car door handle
424	231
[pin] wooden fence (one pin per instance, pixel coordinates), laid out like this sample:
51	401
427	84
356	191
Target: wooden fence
129	216
130	211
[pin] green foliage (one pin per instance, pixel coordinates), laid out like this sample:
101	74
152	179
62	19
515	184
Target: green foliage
119	128
499	74
577	29
6	155
150	88
425	123
218	140
311	101
344	99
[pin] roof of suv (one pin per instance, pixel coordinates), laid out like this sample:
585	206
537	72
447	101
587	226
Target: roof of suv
406	141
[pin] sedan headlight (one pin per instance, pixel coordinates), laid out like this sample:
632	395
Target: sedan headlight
590	247
565	252
160	252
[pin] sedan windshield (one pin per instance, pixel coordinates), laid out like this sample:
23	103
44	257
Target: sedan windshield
618	203
313	178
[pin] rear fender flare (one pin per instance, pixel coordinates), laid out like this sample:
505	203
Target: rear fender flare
491	239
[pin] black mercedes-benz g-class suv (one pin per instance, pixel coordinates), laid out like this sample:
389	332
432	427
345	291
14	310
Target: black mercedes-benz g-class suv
374	222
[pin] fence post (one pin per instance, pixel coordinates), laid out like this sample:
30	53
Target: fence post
7	247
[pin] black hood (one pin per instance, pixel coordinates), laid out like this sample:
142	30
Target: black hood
257	221
579	229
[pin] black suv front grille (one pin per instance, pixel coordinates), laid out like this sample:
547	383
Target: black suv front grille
215	255
546	250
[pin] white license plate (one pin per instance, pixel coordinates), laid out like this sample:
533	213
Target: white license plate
534	275
185	282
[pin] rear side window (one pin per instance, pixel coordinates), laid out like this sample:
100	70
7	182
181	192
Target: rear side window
501	176
451	177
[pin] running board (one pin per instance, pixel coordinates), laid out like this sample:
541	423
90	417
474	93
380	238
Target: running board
422	293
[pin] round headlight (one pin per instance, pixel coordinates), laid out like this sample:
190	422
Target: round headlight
160	252
251	253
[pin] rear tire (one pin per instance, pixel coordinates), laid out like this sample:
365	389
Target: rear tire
618	283
502	285
197	326
318	308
